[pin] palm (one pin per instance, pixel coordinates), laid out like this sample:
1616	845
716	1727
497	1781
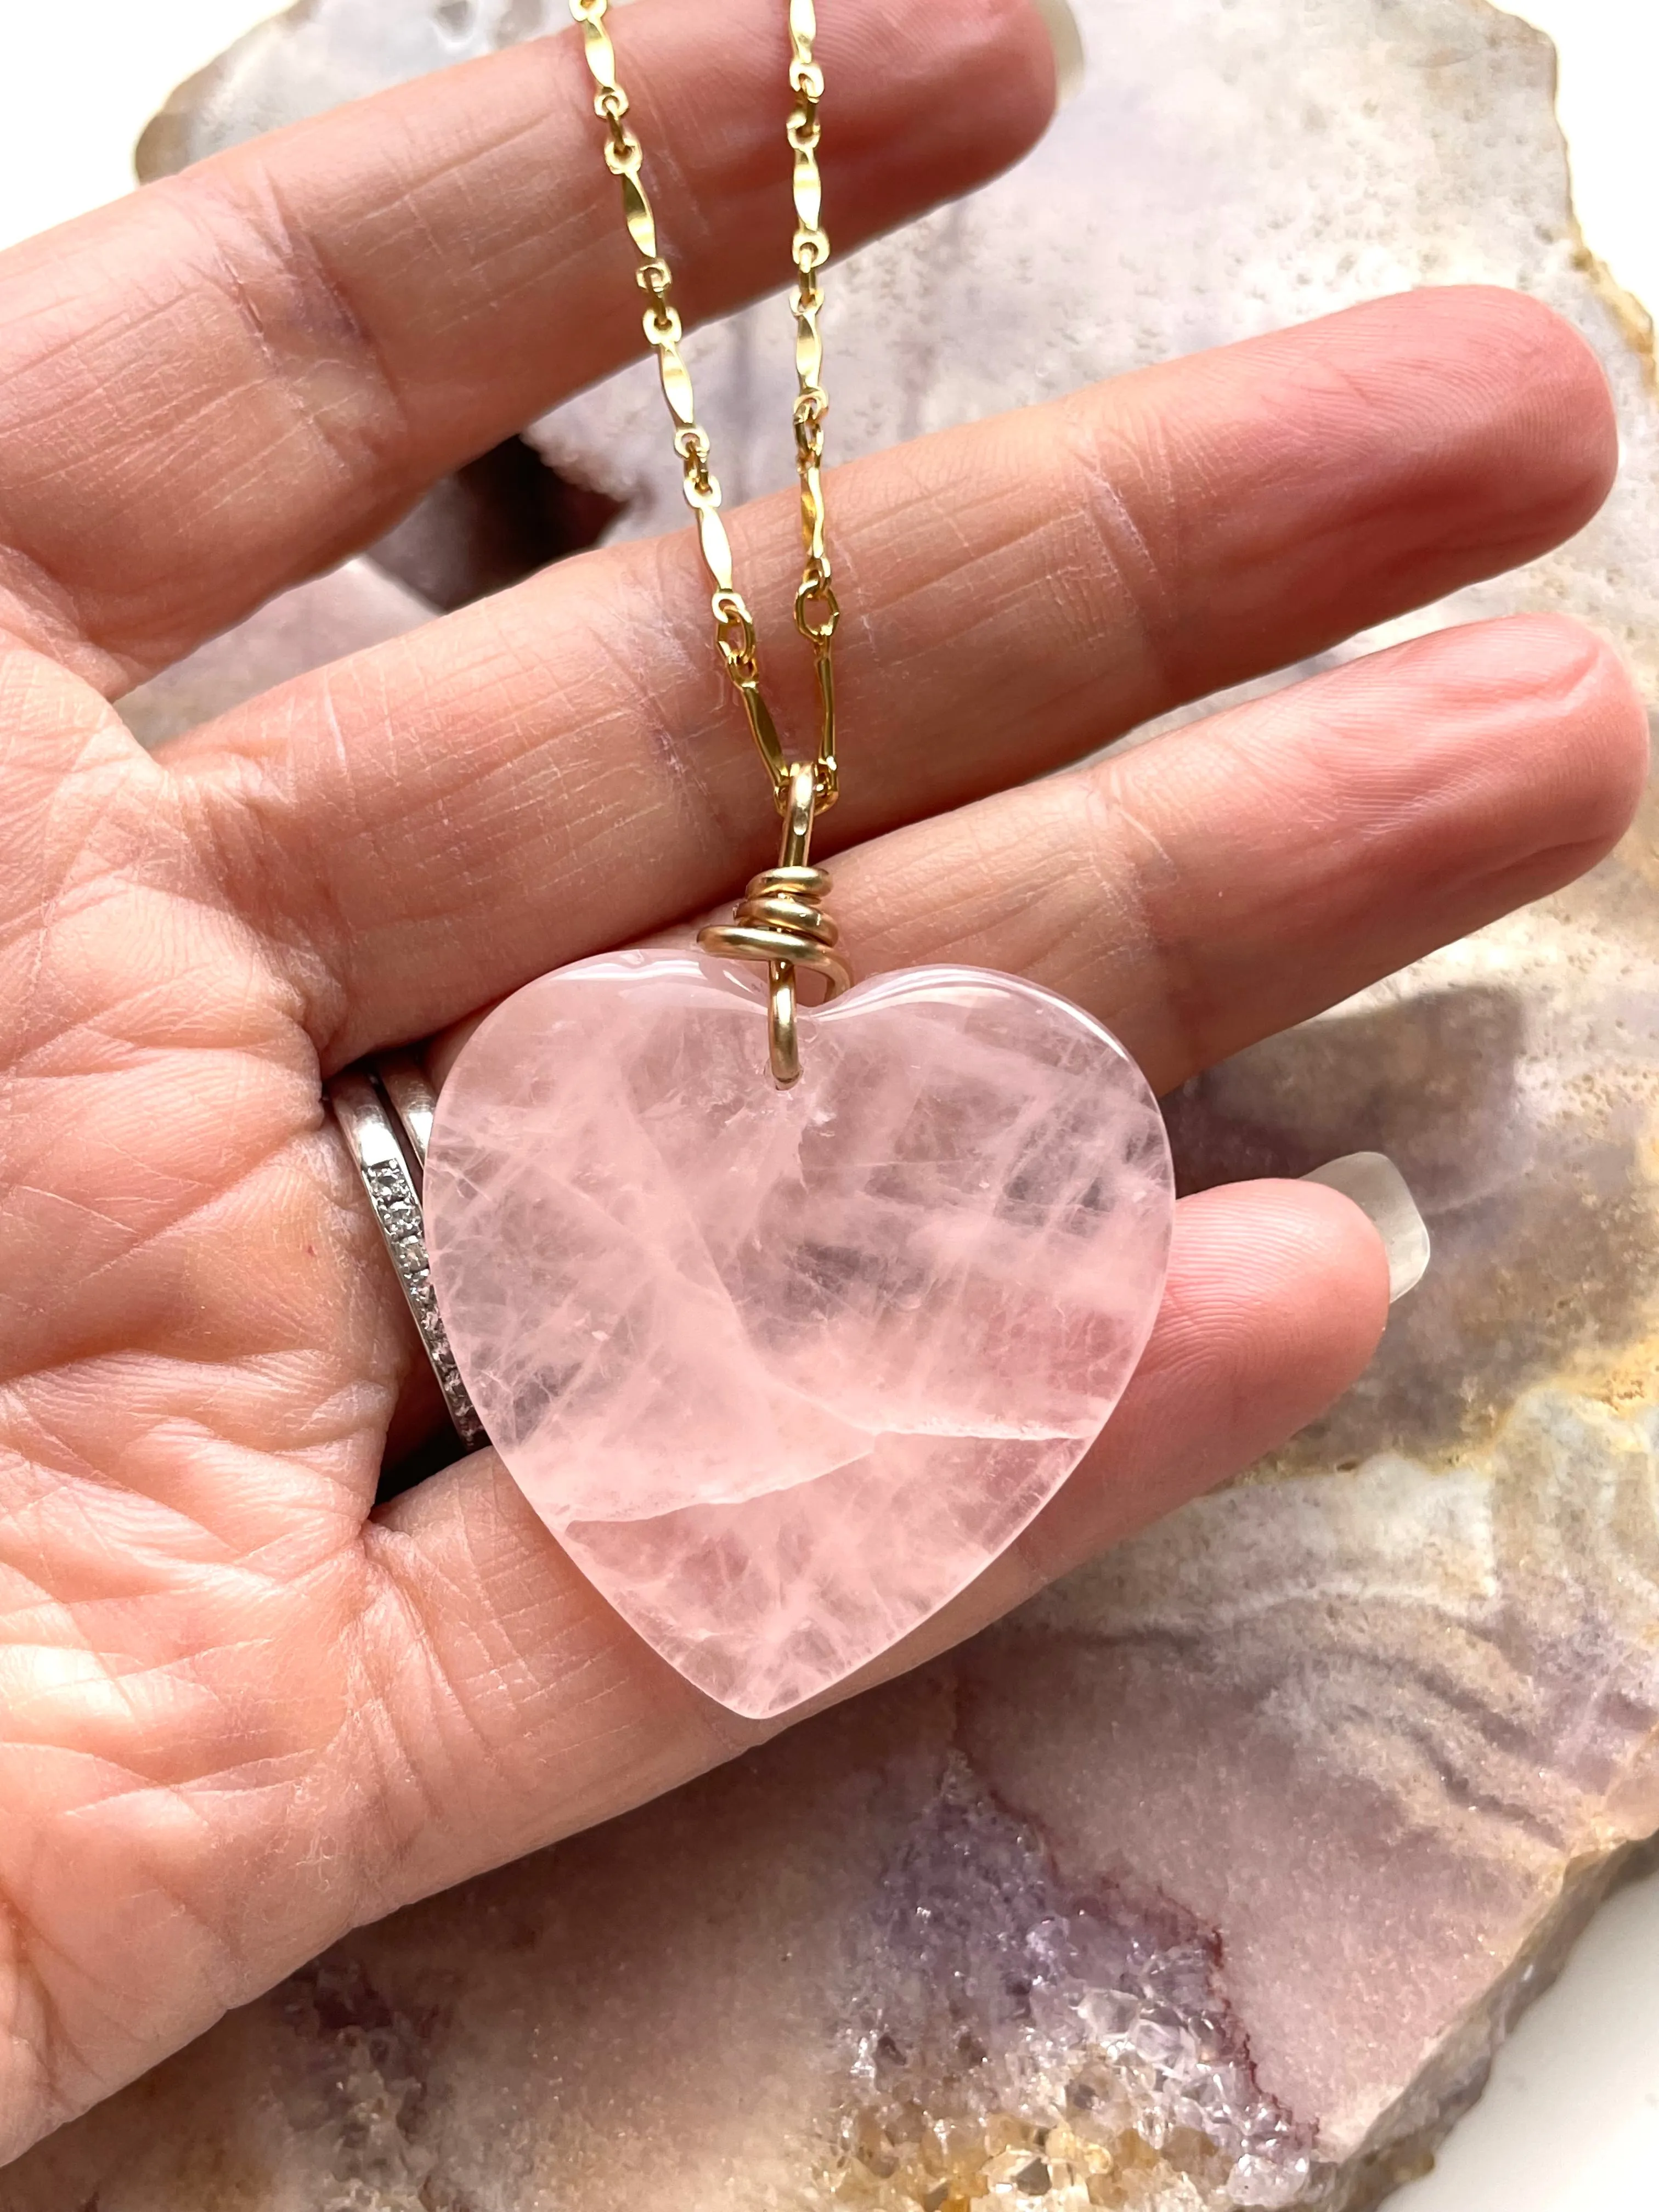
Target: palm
200	1371
239	1709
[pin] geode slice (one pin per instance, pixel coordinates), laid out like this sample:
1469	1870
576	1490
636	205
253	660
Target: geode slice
1210	1879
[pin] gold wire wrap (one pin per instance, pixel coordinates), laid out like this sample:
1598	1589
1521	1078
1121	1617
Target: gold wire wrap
780	922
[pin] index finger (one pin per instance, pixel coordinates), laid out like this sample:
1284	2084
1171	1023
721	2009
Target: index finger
228	381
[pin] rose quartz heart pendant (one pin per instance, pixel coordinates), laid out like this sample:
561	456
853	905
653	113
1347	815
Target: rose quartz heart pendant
785	1370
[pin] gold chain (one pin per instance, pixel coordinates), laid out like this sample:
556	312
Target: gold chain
816	610
781	921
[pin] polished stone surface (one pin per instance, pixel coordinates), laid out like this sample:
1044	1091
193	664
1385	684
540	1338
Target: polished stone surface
1331	1765
784	1370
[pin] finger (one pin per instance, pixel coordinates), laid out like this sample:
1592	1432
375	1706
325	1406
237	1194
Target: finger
428	825
513	1705
1253	868
228	381
1257	866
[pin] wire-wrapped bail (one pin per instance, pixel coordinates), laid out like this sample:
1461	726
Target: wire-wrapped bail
780	922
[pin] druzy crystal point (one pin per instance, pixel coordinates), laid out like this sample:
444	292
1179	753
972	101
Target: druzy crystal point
784	1370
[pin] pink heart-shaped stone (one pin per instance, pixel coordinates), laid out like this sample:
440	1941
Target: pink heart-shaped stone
785	1370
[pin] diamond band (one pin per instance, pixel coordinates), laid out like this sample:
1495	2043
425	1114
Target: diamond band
384	1108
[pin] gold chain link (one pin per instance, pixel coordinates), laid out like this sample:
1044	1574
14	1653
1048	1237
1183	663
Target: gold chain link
816	610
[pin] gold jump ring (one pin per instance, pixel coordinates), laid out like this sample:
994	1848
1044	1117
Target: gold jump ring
780	922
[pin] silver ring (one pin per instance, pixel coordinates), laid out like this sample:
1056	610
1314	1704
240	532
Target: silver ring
384	1108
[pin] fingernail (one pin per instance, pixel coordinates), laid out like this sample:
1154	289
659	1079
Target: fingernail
1067	40
1382	1195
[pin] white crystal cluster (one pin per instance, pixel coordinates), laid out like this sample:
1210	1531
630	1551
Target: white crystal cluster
1031	2048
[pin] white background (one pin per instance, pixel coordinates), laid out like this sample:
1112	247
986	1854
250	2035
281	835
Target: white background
1570	2122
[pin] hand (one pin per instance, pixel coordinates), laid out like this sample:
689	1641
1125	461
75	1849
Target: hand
240	1708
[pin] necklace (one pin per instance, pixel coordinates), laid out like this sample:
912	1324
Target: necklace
781	921
787	1320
